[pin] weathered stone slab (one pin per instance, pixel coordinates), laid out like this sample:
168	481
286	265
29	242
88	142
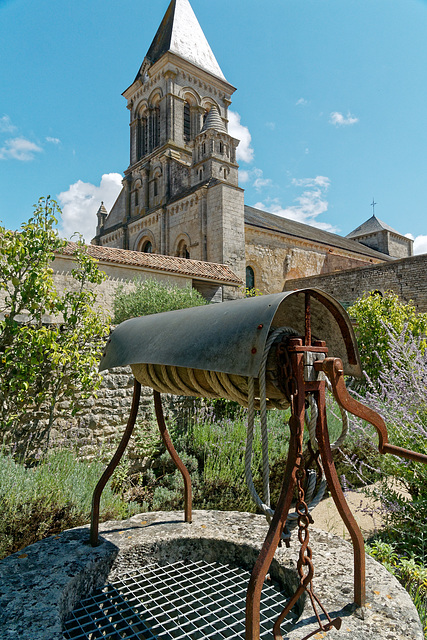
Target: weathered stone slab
41	584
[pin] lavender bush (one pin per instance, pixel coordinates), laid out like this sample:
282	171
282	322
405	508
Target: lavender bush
399	395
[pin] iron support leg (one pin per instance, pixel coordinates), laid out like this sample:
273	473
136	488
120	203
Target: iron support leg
340	501
173	454
271	542
94	520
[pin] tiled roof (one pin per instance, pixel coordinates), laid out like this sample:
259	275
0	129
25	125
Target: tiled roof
269	221
196	269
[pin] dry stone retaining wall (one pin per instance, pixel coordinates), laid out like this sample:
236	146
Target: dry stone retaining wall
100	420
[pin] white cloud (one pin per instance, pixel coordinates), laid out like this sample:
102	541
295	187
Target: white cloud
339	120
270	125
244	176
19	149
81	202
242	133
53	140
420	243
260	183
310	204
302	102
6	125
319	181
256	177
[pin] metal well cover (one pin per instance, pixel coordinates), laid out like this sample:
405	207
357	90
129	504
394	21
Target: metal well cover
230	336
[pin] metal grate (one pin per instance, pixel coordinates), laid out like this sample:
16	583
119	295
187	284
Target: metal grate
183	600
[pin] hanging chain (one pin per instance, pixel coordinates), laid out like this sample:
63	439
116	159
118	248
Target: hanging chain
304	519
305	564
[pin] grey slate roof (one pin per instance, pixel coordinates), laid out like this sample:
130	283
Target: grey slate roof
269	221
373	225
214	120
181	33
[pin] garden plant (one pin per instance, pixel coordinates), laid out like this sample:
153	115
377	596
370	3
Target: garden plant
49	340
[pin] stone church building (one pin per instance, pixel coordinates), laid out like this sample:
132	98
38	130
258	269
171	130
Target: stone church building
181	194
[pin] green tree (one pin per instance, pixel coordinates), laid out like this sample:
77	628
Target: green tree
375	315
48	339
150	296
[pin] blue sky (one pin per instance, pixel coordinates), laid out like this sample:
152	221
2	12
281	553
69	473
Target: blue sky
331	105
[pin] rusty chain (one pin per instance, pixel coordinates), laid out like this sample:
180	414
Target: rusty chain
305	565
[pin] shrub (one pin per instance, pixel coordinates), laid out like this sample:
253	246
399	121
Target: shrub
374	314
400	395
150	296
50	497
44	363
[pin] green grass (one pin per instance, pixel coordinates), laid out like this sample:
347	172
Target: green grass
50	497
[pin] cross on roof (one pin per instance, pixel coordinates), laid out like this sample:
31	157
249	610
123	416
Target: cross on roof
373	203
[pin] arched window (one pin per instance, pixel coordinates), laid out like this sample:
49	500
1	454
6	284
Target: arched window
187	122
143	146
136	198
154	133
183	250
156	127
250	278
147	247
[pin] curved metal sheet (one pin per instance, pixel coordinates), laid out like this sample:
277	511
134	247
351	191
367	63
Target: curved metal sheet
230	336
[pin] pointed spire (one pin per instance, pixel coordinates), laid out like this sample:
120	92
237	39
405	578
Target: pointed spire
214	121
102	215
102	210
181	33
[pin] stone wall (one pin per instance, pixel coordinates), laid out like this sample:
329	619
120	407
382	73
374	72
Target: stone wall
117	275
406	277
100	421
278	260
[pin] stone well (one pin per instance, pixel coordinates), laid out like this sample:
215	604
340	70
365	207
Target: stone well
42	584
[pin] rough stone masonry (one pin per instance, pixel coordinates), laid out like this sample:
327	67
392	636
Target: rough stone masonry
41	584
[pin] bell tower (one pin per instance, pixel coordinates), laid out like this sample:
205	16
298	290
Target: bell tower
180	150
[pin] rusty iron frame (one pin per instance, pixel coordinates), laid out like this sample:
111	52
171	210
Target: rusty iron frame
333	368
94	525
94	518
296	350
188	500
292	382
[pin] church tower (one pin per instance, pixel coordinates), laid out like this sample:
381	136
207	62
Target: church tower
180	193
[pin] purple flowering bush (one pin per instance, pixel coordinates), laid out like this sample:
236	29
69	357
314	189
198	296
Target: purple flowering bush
399	395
